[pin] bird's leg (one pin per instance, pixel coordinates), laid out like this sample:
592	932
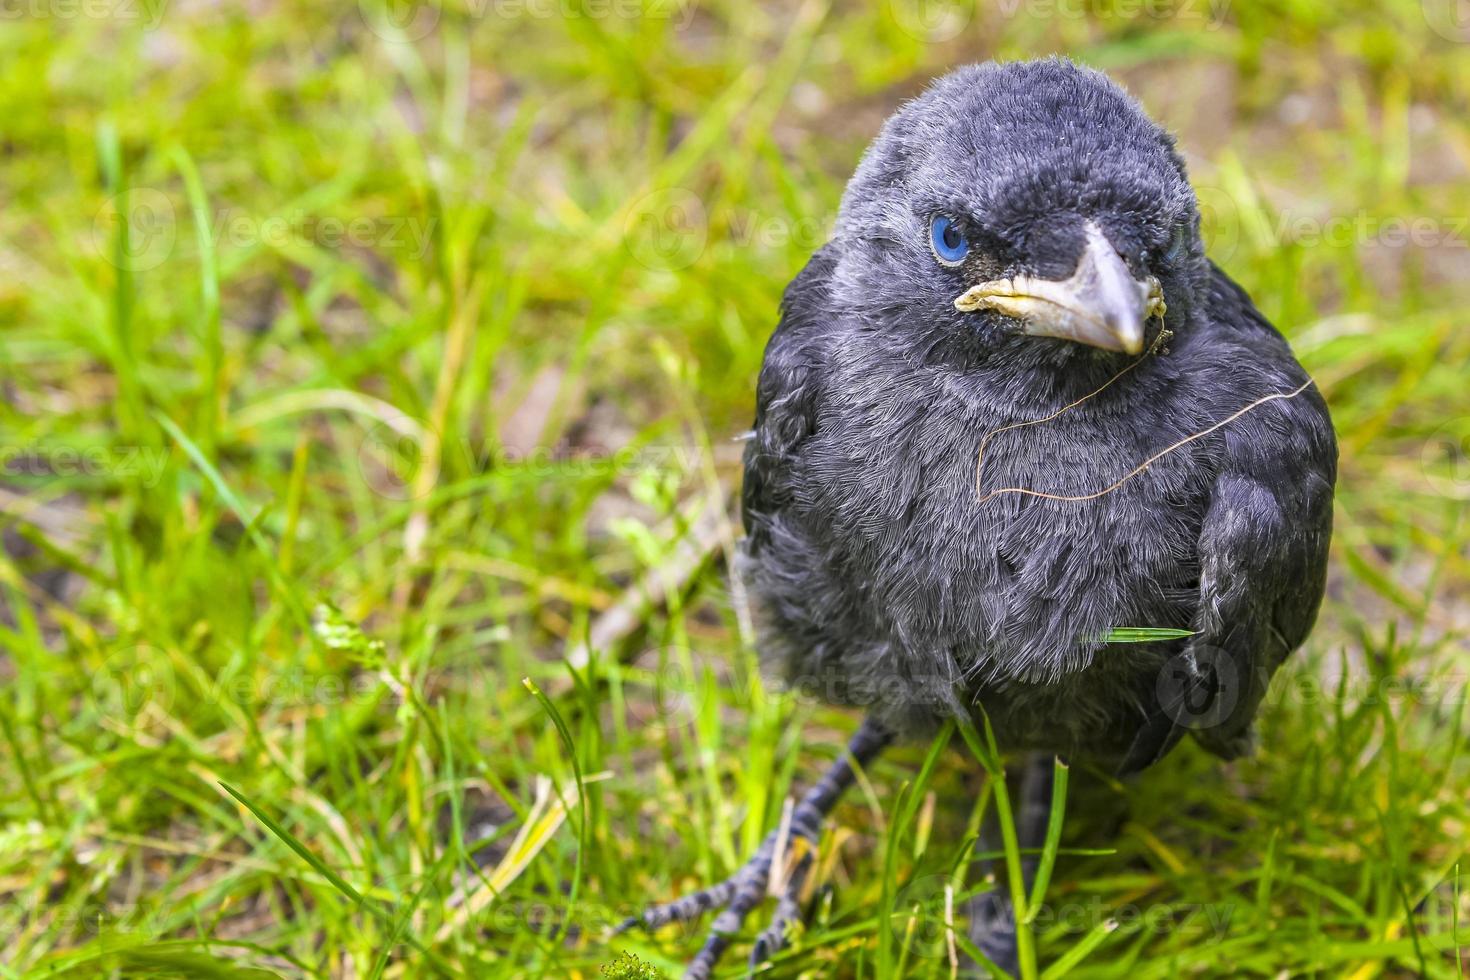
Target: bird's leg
743	890
992	918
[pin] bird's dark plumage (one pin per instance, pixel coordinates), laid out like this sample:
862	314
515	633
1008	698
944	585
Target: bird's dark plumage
883	575
1021	245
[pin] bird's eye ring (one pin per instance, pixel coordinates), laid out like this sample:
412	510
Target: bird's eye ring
948	242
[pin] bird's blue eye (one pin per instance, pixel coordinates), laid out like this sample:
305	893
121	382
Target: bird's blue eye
948	241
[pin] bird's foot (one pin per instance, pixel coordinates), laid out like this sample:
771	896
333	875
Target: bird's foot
736	896
795	841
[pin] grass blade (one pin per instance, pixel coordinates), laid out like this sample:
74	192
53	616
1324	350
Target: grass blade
988	754
583	827
1073	957
321	868
1053	837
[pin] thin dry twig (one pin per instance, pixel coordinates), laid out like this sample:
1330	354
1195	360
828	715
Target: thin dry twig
1163	337
1278	396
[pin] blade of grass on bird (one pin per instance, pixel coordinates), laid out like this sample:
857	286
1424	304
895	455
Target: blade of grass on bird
1144	634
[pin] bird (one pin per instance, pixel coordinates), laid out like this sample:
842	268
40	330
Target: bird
1011	407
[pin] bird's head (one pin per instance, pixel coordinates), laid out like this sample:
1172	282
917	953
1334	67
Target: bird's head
1024	203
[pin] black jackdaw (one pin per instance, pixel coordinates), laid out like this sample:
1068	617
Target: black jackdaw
1010	408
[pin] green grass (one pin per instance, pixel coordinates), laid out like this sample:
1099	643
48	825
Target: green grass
365	490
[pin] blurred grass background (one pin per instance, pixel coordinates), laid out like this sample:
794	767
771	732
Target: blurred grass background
360	362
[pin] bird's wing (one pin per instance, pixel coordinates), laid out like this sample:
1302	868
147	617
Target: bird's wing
1263	543
787	395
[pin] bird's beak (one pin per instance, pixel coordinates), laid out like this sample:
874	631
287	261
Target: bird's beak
1101	304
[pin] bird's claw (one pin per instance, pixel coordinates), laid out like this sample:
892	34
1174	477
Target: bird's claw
795	839
735	897
684	908
787	914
